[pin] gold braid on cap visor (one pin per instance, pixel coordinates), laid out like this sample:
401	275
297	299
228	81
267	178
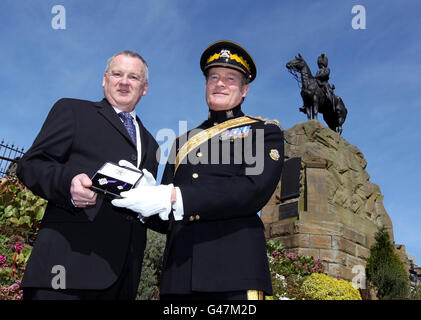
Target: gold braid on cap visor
234	57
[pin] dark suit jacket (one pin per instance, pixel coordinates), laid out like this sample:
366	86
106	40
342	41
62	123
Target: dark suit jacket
91	244
219	245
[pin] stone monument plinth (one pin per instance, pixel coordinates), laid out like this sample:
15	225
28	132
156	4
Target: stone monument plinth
325	206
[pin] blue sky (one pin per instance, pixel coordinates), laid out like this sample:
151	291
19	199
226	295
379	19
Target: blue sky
376	71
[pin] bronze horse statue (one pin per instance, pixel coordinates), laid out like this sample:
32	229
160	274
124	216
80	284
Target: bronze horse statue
315	99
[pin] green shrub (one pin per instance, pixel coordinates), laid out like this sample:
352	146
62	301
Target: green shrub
319	286
385	270
20	216
21	211
152	267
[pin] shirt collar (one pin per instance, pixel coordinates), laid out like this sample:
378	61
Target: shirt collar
132	113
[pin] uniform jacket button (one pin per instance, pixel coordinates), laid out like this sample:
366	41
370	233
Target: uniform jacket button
133	157
195	175
191	219
197	217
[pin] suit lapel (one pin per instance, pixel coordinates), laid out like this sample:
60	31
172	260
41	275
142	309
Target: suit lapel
107	111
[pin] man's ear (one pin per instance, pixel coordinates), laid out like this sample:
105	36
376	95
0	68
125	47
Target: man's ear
245	89
145	88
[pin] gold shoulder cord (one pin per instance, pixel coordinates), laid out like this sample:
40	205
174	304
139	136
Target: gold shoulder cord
207	134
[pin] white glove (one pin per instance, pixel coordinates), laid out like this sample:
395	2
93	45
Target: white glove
147	200
147	180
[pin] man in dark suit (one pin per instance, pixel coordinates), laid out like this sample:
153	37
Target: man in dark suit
86	248
221	174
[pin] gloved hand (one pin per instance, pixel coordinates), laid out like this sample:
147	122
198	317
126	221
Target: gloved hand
147	200
147	179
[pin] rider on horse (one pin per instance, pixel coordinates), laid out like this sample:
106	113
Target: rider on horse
322	77
317	94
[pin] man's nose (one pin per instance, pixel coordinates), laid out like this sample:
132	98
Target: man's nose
221	82
124	79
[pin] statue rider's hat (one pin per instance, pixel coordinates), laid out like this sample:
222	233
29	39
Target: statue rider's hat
322	60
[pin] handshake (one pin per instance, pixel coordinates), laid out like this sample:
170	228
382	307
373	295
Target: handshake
146	198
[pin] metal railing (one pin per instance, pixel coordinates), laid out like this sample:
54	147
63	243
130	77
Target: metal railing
9	157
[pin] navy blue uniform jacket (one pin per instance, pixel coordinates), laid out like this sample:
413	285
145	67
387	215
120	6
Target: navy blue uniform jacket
219	245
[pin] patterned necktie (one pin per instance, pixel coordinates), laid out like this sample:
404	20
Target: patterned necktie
128	123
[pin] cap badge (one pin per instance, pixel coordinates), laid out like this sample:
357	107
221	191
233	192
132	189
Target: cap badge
225	54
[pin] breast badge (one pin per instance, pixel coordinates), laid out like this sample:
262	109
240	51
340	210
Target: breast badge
274	154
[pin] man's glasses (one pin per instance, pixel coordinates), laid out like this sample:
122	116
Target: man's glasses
120	75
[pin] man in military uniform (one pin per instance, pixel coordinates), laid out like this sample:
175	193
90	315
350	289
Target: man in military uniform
218	177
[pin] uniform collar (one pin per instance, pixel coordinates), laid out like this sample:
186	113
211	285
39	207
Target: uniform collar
224	115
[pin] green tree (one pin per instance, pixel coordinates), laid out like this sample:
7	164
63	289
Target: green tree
385	270
152	267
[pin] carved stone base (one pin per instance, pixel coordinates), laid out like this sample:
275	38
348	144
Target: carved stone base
337	210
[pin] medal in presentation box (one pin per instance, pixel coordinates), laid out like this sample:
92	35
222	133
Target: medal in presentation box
112	179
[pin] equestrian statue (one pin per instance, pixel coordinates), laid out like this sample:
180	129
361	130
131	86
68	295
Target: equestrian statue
317	94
